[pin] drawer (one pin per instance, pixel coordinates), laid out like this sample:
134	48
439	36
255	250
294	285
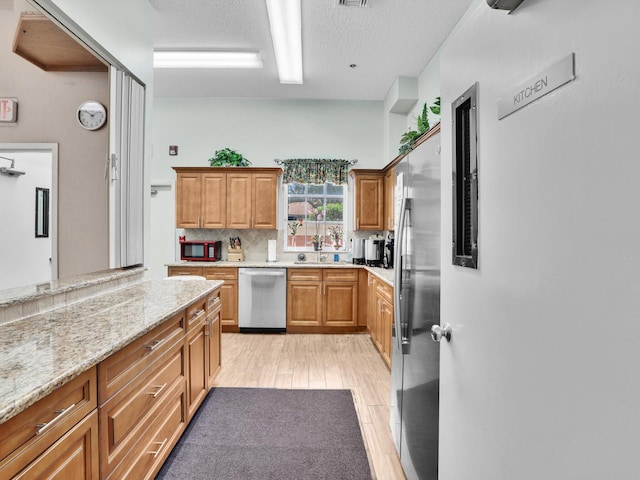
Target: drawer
173	271
123	414
75	455
123	366
220	273
385	291
214	303
340	274
304	274
32	431
160	435
196	312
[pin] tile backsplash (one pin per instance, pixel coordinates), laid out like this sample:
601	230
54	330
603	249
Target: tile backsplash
255	242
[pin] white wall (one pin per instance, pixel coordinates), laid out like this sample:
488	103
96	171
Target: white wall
24	259
541	379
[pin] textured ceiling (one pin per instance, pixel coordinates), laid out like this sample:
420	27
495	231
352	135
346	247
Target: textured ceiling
386	39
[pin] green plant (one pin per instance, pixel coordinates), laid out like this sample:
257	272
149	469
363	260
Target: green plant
422	125
228	158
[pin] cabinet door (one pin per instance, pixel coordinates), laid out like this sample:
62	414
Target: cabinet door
372	310
214	200
386	320
265	200
369	202
304	304
74	456
340	304
214	356
239	200
229	298
389	198
197	385
188	198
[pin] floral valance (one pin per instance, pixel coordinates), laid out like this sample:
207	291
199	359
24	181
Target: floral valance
316	171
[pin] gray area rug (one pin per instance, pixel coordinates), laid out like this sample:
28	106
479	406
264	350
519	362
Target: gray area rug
256	433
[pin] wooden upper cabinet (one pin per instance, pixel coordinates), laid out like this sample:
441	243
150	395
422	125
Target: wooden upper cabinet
221	197
214	197
264	188
188	199
369	199
389	198
239	200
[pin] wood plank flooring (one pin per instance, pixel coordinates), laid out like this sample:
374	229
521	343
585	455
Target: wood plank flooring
320	362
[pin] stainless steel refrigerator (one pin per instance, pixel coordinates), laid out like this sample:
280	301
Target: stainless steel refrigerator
415	367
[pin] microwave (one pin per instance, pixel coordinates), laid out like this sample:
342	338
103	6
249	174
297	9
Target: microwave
200	251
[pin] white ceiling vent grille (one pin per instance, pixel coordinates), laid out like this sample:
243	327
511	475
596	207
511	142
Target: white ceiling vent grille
353	3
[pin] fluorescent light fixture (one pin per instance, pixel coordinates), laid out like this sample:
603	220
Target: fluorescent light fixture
205	59
285	19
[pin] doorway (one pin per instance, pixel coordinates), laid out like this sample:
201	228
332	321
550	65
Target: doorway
28	209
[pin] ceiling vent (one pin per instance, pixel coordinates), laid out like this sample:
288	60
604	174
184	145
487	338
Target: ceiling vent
353	3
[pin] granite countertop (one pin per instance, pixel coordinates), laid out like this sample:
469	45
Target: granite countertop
16	295
386	275
40	353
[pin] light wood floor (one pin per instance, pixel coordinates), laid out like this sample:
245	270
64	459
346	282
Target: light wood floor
320	362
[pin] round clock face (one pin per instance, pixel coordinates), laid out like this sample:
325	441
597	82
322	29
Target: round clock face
92	115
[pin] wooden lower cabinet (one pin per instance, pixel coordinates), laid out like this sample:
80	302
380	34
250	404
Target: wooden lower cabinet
228	295
121	419
57	435
74	456
197	353
380	310
322	300
304	304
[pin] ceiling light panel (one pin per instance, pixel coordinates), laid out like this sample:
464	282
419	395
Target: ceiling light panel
285	20
205	59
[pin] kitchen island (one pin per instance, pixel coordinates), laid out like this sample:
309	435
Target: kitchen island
111	345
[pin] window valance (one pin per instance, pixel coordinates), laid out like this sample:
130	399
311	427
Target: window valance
316	171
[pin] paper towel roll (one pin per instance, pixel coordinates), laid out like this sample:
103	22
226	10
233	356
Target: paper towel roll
271	251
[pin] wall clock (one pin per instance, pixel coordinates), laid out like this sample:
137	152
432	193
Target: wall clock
92	115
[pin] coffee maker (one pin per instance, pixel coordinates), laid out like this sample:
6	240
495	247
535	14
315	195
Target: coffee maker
388	251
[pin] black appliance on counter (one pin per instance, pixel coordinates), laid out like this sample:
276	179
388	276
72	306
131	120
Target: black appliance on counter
388	255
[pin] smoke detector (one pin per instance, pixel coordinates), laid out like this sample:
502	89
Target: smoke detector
353	3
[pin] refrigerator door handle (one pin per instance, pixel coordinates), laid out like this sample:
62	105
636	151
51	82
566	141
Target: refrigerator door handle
402	341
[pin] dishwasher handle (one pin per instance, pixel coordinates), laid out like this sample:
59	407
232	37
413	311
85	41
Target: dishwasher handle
267	273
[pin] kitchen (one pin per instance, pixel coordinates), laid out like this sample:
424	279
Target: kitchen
542	197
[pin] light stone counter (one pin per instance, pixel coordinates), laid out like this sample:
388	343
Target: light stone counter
40	353
386	275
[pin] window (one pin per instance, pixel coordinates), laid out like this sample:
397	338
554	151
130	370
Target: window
315	213
465	181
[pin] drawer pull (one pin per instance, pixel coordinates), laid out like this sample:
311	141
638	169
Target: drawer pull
198	313
157	392
155	344
60	413
161	446
214	301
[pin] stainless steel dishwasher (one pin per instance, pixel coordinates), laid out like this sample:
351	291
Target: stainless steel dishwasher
262	299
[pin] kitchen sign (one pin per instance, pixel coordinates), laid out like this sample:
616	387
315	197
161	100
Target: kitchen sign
8	110
537	86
